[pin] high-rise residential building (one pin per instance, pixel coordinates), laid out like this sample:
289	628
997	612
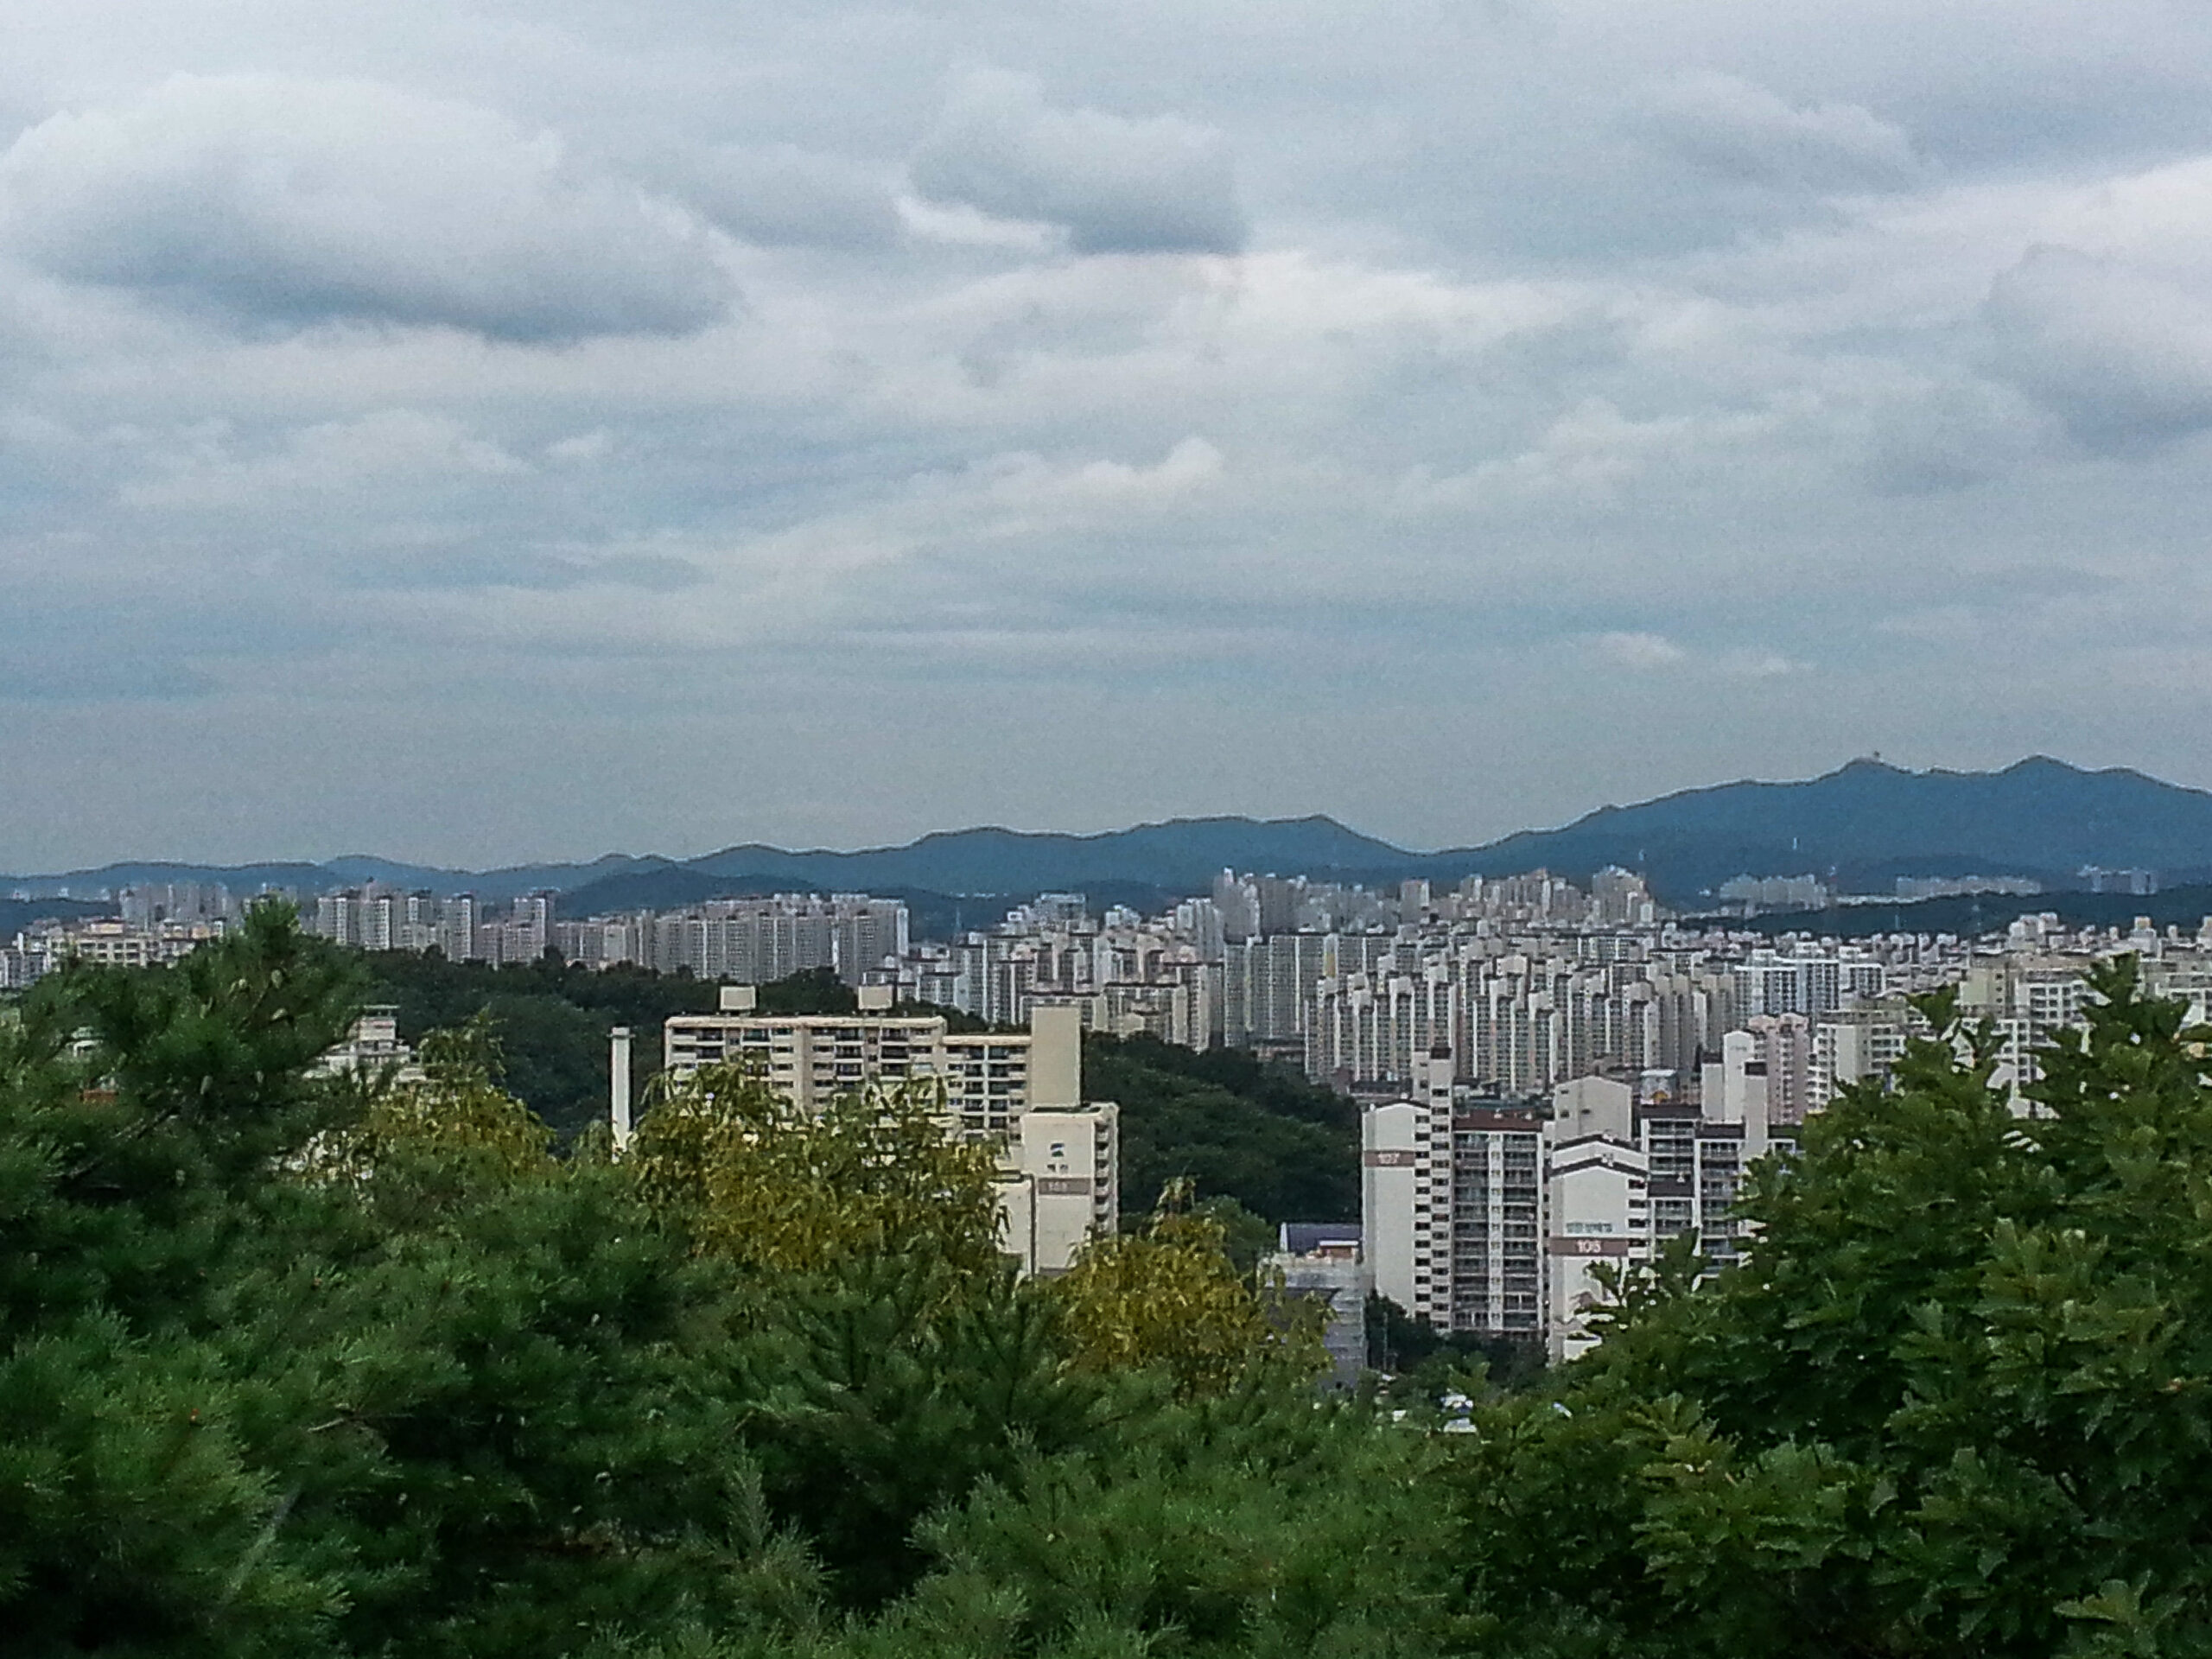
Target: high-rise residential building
1767	984
22	964
1060	1184
1451	1200
1757	892
1371	1028
1619	898
457	928
1511	1221
1200	920
2046	999
1066	910
989	1079
1182	1009
110	944
869	936
1269	984
382	914
758	940
145	905
533	925
2138	882
1237	906
1783	1043
1278	903
338	917
1283	974
1856	1045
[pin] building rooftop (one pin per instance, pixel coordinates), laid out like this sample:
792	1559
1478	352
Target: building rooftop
1310	1237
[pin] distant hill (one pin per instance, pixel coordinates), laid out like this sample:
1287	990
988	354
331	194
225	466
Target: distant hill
671	886
495	886
1184	853
1179	857
243	878
16	914
1860	827
1867	823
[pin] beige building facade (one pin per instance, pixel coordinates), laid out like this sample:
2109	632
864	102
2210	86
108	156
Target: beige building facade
1059	1156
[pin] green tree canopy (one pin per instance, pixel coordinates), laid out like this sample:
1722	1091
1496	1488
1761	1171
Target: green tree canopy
299	1364
293	1364
1956	1400
1232	1126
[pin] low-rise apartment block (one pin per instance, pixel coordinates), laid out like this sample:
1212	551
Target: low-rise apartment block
1059	1156
989	1079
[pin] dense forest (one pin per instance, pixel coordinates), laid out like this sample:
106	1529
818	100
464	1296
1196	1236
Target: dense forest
1257	1136
302	1366
1235	1127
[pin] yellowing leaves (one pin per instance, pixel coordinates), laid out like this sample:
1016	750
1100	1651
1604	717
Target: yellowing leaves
773	1185
1170	1297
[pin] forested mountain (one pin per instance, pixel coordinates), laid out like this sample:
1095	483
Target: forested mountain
1867	823
1970	916
1184	853
1862	825
1182	856
16	914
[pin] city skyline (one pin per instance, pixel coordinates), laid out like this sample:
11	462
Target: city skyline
524	431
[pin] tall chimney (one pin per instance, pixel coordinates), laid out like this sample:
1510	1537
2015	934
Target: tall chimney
618	1084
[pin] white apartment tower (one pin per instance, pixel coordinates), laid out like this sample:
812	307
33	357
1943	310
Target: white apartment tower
1382	1025
1597	1183
1480	1218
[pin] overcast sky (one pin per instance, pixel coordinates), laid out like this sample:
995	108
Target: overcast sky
473	432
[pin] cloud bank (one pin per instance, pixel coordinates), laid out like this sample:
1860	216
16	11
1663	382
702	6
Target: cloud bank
289	200
1157	184
474	431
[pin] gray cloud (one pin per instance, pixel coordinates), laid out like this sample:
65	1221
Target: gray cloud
1964	432
382	451
2123	357
539	571
281	200
1600	401
1742	132
779	195
1160	184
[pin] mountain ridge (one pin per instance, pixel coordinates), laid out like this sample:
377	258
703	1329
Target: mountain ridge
1867	820
1861	825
